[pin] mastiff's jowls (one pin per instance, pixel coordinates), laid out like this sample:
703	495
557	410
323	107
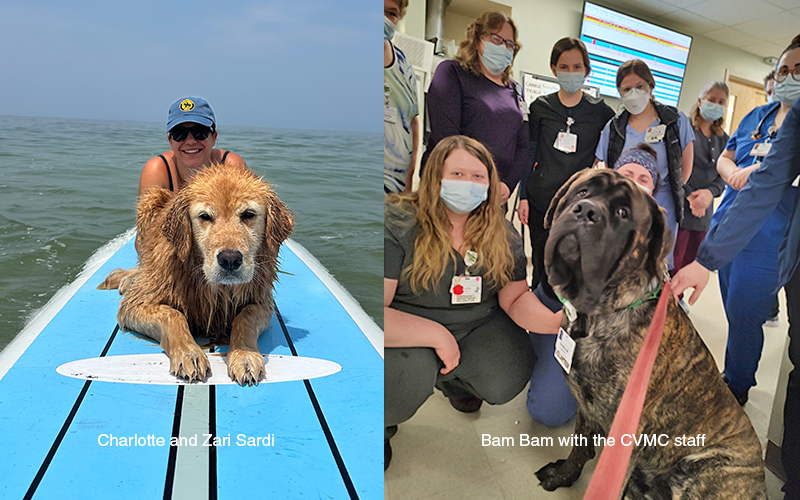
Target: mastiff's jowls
606	250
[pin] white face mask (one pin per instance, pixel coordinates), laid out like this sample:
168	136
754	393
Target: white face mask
636	100
462	197
711	111
787	91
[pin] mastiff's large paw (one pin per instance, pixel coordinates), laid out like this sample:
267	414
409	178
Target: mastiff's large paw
246	367
557	474
189	362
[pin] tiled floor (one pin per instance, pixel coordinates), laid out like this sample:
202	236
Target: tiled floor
438	453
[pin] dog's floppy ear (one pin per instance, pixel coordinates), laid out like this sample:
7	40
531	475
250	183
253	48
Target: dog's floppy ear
659	238
280	223
178	228
562	191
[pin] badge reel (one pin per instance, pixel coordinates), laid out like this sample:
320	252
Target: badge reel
466	289
567	142
655	134
762	149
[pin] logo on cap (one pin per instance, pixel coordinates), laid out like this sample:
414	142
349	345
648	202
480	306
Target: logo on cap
187	105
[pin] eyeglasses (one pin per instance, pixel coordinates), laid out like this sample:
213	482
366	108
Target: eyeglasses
780	76
499	40
180	133
641	86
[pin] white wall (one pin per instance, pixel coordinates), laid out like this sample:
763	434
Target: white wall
542	22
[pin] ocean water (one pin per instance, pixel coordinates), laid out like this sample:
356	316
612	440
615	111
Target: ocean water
69	186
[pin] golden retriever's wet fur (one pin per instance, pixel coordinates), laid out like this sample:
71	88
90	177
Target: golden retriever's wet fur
208	259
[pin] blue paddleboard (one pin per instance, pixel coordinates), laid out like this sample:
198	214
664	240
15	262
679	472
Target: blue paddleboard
89	411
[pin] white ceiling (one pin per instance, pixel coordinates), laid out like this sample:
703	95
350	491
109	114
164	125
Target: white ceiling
761	27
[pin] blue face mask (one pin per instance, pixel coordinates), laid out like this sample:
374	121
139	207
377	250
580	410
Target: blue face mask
388	29
496	58
462	197
711	111
770	98
570	82
787	91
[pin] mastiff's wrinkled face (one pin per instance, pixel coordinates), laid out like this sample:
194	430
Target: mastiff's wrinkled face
608	239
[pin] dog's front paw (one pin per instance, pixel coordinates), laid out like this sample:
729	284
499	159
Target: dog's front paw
246	367
557	474
190	363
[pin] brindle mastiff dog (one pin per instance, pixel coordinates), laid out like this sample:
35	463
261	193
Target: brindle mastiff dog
608	241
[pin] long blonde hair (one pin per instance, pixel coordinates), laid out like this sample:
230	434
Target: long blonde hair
485	231
468	56
694	113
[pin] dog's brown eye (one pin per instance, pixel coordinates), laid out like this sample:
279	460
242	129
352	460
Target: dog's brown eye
206	217
248	214
622	212
582	193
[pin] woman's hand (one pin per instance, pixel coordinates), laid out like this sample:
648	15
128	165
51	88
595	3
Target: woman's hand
739	178
699	201
522	211
693	275
449	352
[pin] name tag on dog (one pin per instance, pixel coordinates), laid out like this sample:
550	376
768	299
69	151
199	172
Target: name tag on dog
655	134
466	290
566	142
761	149
565	349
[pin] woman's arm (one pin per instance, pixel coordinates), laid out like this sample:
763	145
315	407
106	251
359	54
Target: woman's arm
413	164
726	164
402	329
687	161
444	103
526	310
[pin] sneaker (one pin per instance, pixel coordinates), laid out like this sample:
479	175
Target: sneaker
772	321
466	405
741	397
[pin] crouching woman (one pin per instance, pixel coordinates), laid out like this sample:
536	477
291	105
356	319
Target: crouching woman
456	302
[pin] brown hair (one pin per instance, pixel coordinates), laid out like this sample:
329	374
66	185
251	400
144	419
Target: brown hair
485	232
770	76
567	44
637	67
468	56
402	5
694	113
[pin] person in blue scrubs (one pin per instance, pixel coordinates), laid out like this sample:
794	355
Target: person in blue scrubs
666	129
765	193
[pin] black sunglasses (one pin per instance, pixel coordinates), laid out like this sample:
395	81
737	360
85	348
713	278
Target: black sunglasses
199	132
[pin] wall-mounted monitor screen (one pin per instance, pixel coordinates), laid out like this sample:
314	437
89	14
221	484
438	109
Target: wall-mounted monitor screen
613	38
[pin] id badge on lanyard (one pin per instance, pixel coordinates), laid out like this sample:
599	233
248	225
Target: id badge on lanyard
655	134
466	289
567	142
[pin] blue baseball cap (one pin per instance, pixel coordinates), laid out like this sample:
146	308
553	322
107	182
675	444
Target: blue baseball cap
190	109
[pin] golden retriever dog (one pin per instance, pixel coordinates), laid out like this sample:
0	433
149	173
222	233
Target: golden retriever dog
208	258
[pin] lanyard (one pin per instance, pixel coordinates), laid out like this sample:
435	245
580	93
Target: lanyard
756	134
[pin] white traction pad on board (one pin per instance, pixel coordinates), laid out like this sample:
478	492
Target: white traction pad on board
154	369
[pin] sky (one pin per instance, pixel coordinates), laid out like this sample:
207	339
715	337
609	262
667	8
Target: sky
305	64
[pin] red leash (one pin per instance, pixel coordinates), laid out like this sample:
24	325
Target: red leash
609	475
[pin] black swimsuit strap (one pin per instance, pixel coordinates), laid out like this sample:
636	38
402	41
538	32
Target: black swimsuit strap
169	172
225	155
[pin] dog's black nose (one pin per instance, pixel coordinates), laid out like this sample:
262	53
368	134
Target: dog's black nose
230	260
587	211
